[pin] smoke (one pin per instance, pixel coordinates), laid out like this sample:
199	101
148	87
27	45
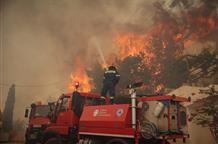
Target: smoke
42	39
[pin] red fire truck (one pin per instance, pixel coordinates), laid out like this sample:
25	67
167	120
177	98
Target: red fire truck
153	119
38	122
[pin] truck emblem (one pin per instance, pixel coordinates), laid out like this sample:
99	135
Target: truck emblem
120	112
95	113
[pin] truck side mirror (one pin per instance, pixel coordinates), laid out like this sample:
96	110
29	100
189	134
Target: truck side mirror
26	113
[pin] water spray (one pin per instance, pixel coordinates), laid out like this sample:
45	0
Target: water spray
99	50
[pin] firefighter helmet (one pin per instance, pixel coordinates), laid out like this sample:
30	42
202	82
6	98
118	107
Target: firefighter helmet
112	67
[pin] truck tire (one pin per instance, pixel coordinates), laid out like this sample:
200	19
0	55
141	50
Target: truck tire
30	142
153	141
53	141
118	141
161	142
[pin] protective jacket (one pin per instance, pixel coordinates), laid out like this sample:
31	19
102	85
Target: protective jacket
110	80
111	76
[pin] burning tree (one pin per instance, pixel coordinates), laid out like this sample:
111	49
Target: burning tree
155	56
132	70
160	49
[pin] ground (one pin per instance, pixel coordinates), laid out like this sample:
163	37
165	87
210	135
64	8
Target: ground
13	143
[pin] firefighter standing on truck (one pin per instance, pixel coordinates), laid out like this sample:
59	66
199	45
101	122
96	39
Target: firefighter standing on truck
110	80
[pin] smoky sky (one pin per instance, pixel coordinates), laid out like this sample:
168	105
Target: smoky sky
41	40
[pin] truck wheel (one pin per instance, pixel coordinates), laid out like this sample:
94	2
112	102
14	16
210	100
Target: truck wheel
162	142
30	142
53	141
117	141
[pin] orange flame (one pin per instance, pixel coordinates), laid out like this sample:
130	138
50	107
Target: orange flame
154	46
130	44
80	76
169	35
159	88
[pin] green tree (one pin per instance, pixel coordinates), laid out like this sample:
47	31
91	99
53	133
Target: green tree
206	111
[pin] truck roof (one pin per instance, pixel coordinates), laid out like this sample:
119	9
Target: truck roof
142	98
89	95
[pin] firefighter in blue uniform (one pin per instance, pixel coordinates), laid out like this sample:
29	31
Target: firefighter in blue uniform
110	80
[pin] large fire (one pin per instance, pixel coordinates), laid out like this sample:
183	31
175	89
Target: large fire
130	44
151	47
162	44
80	76
166	39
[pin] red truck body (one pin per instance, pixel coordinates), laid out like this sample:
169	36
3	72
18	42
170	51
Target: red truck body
106	120
110	124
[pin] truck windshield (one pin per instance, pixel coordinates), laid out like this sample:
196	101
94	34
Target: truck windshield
41	111
63	104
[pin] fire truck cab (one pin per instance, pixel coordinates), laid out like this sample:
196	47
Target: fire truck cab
38	121
147	119
65	118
